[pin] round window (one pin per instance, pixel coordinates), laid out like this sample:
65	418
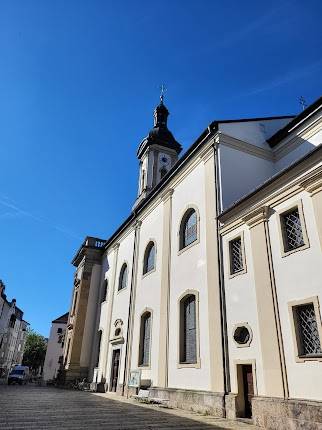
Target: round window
242	335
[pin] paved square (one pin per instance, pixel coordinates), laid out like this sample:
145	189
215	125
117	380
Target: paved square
33	407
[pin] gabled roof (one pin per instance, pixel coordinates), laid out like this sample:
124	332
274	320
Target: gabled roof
283	132
62	319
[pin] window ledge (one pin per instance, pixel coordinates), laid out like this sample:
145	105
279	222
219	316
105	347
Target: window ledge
304	358
195	242
196	365
292	251
144	275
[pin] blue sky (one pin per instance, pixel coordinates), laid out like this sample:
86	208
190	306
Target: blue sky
78	84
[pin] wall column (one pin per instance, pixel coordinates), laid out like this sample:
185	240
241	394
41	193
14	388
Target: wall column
107	330
217	382
165	290
267	312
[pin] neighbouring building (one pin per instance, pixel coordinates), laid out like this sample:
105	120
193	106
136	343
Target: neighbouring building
13	333
208	293
55	347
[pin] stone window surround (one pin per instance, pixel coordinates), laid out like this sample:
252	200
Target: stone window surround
243	324
181	365
119	290
182	217
155	258
295	330
241	272
298	204
150	311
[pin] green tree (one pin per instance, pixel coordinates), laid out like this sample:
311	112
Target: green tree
35	350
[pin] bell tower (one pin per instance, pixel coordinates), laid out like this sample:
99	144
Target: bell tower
157	153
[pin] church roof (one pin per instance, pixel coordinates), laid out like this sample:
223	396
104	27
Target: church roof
62	319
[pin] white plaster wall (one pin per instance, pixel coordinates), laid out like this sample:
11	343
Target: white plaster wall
54	351
241	307
121	300
298	276
241	173
148	293
254	132
188	272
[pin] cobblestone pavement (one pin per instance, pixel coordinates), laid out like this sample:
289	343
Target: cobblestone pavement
34	407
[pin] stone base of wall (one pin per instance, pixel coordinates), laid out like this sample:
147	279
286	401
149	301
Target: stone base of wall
279	414
73	373
205	402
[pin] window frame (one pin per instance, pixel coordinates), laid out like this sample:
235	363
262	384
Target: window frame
140	350
241	325
124	265
147	249
182	223
299	358
180	363
229	260
281	229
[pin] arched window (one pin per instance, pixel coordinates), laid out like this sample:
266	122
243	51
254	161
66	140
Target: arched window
149	258
145	339
104	291
99	341
12	321
188	330
123	277
188	228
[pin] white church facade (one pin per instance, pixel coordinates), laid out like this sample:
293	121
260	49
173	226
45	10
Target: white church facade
208	294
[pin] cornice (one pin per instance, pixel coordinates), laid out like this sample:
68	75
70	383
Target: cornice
166	195
257	216
246	147
313	185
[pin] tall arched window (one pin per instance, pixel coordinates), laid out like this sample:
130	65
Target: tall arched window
145	339
104	291
99	341
188	330
149	258
188	228
123	277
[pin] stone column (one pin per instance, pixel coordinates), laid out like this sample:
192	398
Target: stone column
267	312
314	187
165	290
217	382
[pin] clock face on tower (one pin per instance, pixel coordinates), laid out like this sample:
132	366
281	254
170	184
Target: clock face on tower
164	160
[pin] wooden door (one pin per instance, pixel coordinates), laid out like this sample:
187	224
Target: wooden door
248	383
115	369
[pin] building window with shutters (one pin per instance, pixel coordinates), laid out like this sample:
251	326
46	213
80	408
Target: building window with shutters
292	229
189	229
307	329
149	258
188	331
145	339
123	277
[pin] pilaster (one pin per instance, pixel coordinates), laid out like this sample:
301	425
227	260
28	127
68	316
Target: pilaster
165	290
267	309
217	383
314	187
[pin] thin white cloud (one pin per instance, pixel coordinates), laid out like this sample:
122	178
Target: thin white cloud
16	211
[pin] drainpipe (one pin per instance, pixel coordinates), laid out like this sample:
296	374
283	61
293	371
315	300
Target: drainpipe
129	332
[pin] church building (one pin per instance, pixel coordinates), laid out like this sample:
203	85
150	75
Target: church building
208	294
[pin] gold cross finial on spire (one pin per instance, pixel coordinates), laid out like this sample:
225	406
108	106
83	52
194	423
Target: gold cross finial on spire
163	91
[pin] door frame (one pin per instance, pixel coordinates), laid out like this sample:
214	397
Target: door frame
240	400
111	367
